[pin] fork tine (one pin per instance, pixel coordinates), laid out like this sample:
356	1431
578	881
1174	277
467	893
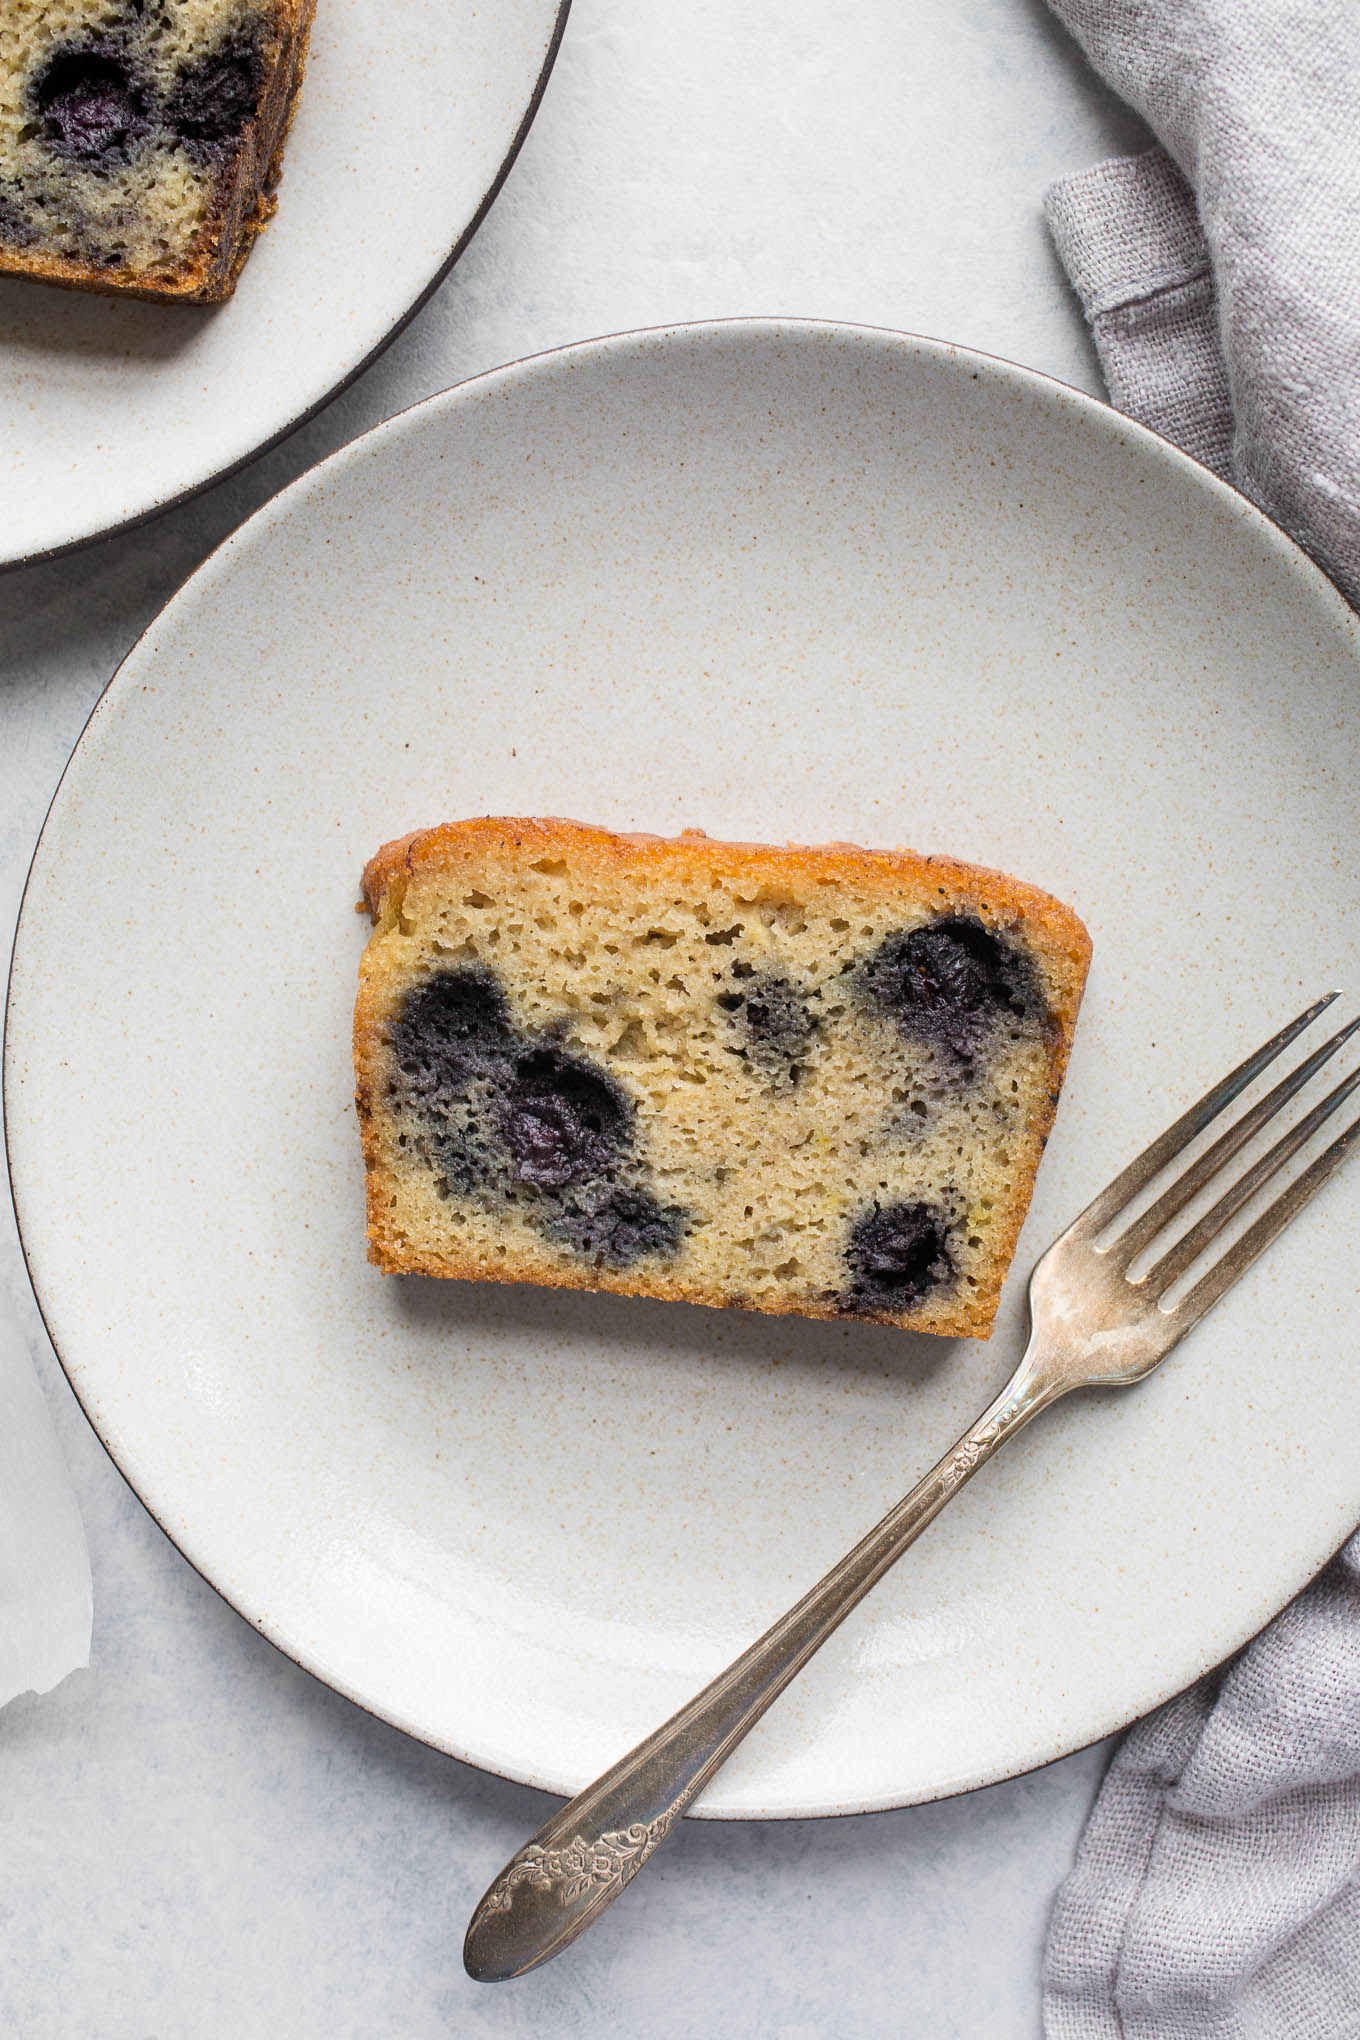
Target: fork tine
1272	1222
1168	1145
1188	1250
1192	1180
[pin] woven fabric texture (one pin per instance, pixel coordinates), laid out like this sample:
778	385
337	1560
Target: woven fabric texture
1216	1892
1221	272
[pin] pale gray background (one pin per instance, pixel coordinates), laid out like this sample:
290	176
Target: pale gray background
197	1842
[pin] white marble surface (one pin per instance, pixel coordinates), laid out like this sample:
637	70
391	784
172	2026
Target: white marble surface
196	1839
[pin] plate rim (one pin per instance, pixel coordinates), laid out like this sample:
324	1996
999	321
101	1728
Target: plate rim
757	327
18	561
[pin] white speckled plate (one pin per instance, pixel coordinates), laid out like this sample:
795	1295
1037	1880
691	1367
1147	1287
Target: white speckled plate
778	581
409	118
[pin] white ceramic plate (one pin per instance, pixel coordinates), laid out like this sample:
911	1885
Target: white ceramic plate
779	581
410	116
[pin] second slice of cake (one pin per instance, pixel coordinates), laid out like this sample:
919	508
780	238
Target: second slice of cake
141	140
788	1079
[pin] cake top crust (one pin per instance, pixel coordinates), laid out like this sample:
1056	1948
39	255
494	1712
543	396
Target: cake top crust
520	837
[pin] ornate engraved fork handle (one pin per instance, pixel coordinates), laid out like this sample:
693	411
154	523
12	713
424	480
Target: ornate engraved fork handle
581	1858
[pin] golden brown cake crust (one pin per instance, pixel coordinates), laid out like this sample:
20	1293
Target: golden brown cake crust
457	851
693	852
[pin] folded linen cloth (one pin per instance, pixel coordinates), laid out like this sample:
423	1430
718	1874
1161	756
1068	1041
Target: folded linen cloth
1216	1892
44	1566
1221	272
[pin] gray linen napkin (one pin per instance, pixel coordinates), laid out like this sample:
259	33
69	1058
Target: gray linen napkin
1216	1892
1222	277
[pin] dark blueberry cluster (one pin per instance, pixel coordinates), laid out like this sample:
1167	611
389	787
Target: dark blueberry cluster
96	104
515	1117
215	97
562	1120
16	230
91	107
452	1027
952	984
897	1254
617	1226
772	1025
453	1045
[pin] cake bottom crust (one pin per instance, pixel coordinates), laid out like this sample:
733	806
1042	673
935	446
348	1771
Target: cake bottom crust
958	1317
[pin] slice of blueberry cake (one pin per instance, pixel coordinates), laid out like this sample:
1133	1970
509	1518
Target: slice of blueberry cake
813	1080
140	140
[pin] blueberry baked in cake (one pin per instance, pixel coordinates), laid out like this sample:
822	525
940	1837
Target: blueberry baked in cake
786	1079
140	140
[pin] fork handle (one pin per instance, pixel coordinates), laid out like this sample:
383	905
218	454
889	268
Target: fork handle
584	1854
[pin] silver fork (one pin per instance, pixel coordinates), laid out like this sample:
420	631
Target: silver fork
1093	1324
